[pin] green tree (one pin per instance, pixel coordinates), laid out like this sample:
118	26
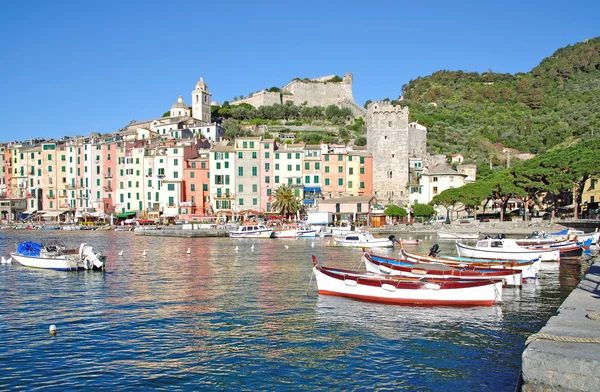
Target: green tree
285	201
422	210
395	211
360	141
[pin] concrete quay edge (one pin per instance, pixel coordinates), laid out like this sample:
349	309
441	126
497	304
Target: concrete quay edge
554	363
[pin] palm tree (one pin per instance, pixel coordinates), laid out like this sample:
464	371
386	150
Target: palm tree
285	201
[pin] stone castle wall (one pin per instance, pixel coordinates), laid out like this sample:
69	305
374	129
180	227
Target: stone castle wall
317	92
388	143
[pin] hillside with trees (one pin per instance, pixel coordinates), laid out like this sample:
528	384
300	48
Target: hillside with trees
554	104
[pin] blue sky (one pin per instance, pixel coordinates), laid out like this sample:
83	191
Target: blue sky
74	67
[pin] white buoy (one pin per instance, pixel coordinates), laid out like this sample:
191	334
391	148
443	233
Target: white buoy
52	330
144	254
3	260
121	253
189	251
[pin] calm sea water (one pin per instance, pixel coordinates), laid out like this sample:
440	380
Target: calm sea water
249	320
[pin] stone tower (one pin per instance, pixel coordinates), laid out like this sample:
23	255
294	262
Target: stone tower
201	102
388	143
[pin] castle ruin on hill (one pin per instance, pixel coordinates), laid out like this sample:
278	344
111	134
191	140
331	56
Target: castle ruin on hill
315	92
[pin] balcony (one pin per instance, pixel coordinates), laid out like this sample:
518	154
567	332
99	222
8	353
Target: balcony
107	189
187	204
62	196
50	196
223	196
64	205
69	186
108	175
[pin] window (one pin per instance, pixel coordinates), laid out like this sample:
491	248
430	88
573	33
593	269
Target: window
340	169
175	174
297	155
254	171
226	164
340	181
192	174
362	170
289	155
241	202
276	155
326	157
337	207
340	157
326	169
289	167
317	165
175	162
277	166
435	190
389	174
267	179
268	191
307	179
253	154
434	179
170	187
240	155
240	188
218	165
255	201
362	160
266	145
358	207
362	185
306	165
349	158
267	166
276	179
267	154
349	184
192	187
327	181
241	171
351	171
316	179
254	188
171	201
205	187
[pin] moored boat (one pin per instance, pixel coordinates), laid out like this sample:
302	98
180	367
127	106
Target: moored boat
405	291
365	240
305	231
446	235
58	257
286	232
505	248
251	231
529	268
387	265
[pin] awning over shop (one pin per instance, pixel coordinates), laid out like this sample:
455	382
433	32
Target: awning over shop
125	215
313	189
29	211
52	214
308	201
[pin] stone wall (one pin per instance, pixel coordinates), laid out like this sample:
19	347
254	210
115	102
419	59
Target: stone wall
316	92
388	136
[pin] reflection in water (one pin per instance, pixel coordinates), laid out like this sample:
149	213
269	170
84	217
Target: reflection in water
220	319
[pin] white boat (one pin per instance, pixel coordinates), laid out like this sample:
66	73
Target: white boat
341	230
289	232
305	231
445	235
505	248
251	231
57	257
405	291
365	240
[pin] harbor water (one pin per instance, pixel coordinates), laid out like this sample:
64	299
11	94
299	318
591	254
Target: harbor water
251	319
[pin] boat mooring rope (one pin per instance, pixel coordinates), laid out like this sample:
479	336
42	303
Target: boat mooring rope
557	338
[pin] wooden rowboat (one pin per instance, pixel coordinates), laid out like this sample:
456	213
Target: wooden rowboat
405	291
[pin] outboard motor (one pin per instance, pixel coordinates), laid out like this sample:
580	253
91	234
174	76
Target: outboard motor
434	251
392	238
500	236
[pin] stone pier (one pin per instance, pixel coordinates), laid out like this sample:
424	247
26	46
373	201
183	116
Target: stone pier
565	354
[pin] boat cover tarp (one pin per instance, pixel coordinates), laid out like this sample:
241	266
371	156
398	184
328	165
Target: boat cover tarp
29	248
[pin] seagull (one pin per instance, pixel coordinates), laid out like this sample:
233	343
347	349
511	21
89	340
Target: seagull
189	251
121	253
237	249
144	254
286	247
252	247
4	261
312	244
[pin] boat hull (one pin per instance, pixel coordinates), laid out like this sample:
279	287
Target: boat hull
524	254
363	244
286	233
394	291
67	263
389	266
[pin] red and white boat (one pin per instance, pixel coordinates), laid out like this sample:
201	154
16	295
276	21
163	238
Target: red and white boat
405	291
390	266
529	268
